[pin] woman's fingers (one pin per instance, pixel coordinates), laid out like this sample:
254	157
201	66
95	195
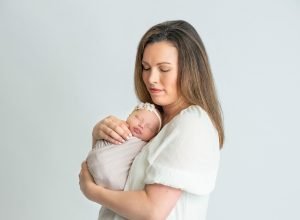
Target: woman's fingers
84	165
85	180
127	133
83	169
121	128
112	129
85	173
115	135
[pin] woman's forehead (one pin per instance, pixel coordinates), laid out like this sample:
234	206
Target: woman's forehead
161	52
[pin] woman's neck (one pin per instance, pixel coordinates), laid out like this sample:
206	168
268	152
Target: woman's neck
170	111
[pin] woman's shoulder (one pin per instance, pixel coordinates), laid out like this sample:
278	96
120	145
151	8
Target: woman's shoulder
195	110
193	113
193	118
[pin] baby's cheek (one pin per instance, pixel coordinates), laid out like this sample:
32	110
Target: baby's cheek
149	135
131	129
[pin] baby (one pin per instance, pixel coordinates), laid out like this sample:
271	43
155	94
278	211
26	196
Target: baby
108	163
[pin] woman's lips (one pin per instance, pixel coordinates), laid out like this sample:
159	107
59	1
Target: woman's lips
154	90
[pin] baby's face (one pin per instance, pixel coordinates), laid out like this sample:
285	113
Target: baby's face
143	124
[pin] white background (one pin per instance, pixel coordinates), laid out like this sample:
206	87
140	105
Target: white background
65	64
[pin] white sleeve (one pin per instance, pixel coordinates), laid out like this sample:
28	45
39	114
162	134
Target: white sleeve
187	156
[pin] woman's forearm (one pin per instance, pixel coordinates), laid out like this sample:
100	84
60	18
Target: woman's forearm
129	204
155	201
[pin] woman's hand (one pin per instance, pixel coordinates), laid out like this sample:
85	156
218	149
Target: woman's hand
111	129
86	181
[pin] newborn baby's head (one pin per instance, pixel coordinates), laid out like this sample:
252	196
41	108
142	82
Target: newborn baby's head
145	121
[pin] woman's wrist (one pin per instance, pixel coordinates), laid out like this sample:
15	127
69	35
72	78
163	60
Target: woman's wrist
91	191
95	193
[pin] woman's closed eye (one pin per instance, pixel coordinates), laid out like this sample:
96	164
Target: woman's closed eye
164	69
146	68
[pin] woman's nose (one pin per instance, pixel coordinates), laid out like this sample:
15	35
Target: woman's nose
153	76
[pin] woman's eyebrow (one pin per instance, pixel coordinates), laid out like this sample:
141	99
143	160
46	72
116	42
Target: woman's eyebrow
164	63
144	62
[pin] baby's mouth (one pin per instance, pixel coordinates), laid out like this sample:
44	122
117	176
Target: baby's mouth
137	131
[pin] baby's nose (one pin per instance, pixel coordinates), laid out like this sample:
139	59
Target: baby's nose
141	125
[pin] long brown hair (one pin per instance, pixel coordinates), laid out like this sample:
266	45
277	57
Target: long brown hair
195	79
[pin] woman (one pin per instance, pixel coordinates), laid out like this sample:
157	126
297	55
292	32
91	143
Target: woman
172	177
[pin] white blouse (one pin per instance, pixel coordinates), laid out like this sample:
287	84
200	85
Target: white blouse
184	155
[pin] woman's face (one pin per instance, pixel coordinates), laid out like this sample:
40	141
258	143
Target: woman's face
160	72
